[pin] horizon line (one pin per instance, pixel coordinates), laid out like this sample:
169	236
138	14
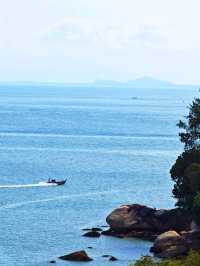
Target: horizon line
101	82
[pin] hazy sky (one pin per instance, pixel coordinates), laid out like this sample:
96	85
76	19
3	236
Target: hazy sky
84	40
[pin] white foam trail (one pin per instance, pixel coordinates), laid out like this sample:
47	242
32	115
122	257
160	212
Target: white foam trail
40	184
50	135
72	196
99	150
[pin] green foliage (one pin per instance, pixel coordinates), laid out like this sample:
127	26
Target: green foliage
190	135
145	261
186	170
186	175
193	259
196	208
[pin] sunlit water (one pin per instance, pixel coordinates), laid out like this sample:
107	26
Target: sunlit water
113	149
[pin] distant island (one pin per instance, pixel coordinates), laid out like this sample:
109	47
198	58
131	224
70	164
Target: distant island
143	82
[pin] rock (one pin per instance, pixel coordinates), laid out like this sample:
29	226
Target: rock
169	245
110	232
133	218
173	252
129	217
194	226
92	234
96	229
142	234
76	256
112	258
104	226
166	239
193	239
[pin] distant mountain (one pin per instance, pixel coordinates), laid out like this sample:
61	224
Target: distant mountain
147	82
144	82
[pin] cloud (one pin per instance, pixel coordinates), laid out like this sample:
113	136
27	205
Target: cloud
101	32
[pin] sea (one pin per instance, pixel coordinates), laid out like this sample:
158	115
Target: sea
115	146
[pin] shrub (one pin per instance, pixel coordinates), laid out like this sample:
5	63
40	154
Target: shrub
193	259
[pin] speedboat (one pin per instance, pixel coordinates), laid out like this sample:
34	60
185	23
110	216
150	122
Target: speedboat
56	182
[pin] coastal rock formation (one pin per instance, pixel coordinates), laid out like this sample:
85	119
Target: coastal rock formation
169	229
173	245
143	222
76	256
169	245
193	239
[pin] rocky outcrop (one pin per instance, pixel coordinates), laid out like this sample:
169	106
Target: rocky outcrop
169	229
173	245
193	239
169	245
147	223
76	256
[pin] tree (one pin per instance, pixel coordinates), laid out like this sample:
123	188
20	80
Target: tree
186	170
196	208
186	175
190	135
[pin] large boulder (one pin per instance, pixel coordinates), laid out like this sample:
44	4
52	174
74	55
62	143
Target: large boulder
76	256
193	239
176	251
169	245
137	217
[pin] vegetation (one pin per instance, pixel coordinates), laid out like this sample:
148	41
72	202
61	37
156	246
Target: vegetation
193	259
196	208
186	175
186	170
190	135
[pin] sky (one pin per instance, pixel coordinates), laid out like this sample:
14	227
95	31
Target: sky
86	40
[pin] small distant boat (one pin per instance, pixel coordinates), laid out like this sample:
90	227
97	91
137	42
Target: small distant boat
56	182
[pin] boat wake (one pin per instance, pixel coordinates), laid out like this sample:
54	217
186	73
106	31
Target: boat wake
88	195
40	184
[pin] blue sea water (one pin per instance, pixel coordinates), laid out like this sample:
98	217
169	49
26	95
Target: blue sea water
115	146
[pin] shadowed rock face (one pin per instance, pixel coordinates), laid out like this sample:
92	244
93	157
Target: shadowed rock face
76	256
169	229
135	217
173	245
169	245
193	239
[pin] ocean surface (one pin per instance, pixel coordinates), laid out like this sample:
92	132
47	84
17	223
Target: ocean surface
114	145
